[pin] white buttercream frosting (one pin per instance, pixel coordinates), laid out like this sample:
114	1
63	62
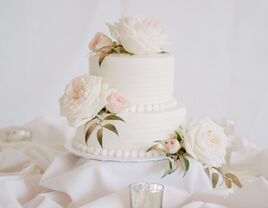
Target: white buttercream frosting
136	135
142	79
152	114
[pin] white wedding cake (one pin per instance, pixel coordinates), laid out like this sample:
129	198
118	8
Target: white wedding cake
144	76
124	108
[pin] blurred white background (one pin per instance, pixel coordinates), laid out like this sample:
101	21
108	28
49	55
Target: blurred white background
220	46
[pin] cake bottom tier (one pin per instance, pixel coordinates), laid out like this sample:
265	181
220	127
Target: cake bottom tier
136	134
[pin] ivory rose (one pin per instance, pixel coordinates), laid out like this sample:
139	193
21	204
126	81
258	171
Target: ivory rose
206	142
99	41
172	145
116	102
139	35
83	98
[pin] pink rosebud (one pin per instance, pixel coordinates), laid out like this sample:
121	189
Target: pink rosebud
172	146
99	41
116	102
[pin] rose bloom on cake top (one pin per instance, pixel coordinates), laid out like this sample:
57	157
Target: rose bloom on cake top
133	35
88	100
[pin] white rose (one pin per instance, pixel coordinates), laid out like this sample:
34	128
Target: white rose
139	35
206	142
83	98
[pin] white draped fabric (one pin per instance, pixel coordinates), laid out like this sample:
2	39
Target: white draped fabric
221	71
40	174
220	48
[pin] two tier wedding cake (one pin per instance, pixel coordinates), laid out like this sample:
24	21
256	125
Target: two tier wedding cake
151	113
131	82
124	108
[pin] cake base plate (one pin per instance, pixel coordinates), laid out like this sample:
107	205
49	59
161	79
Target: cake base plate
69	146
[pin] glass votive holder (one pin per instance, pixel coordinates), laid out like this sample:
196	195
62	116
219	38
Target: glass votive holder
146	195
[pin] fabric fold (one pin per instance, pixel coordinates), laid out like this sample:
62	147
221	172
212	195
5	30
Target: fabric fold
41	173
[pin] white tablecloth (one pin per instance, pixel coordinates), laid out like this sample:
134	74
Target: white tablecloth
41	173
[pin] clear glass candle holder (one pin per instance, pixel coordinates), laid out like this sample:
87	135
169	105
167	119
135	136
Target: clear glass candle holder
146	195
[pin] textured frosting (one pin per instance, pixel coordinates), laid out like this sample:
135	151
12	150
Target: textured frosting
136	135
153	113
142	79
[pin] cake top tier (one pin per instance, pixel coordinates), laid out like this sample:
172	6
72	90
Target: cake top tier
142	79
132	35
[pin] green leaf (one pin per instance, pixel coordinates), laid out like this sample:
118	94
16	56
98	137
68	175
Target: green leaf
102	111
168	169
114	117
178	136
89	123
234	179
185	163
215	179
174	165
218	170
89	131
157	147
182	151
152	148
111	127
86	126
171	167
207	171
101	59
99	136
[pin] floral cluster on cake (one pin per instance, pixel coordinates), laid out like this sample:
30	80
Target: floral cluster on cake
132	35
204	141
89	101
